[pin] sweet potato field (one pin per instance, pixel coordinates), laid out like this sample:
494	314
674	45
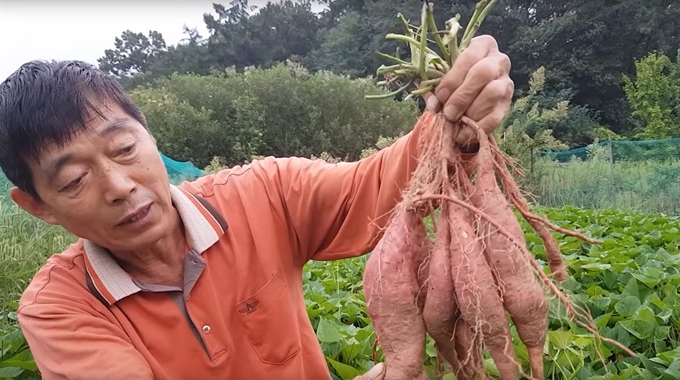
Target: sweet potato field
629	284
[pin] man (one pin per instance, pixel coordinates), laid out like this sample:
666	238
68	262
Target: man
200	281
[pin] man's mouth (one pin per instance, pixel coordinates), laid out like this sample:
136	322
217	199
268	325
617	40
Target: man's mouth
136	215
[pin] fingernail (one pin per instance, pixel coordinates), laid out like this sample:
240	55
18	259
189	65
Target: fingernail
432	103
376	371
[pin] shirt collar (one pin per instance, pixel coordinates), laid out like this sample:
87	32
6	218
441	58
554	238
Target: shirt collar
203	225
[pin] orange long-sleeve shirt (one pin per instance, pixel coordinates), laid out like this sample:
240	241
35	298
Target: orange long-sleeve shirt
241	313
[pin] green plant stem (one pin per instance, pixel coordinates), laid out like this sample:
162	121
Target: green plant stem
433	82
478	9
404	23
430	71
393	59
423	90
410	70
389	94
477	23
423	42
436	73
437	38
412	41
454	51
453	26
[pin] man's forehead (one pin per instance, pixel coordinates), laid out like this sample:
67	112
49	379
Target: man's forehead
95	127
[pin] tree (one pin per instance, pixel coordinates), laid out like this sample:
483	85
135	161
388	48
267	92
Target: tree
587	45
527	128
241	37
654	95
132	54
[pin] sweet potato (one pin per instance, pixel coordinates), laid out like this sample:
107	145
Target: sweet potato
440	310
522	295
478	296
469	351
391	288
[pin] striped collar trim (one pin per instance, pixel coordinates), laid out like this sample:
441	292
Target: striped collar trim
203	224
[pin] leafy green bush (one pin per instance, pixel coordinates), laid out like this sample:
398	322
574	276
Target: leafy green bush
16	361
280	111
527	129
654	94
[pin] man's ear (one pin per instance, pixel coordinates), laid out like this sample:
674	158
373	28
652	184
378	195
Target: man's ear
31	205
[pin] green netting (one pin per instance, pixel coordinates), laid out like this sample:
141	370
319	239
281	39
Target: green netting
179	171
617	150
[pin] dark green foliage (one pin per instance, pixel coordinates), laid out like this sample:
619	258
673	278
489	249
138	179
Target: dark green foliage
586	46
280	111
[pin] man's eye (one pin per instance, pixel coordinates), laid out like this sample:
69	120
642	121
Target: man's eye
127	150
73	184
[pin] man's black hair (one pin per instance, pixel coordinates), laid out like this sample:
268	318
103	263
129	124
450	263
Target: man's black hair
47	103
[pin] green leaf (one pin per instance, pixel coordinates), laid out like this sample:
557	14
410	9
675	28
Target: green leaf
345	371
631	289
650	366
662	332
23	360
674	370
621	335
431	350
645	314
602	320
627	306
639	328
10	372
670	356
596	266
610	279
561	338
647	280
601	303
327	333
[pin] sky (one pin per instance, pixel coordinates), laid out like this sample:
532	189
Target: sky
82	30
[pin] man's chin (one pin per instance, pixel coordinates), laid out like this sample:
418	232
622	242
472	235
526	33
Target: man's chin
135	241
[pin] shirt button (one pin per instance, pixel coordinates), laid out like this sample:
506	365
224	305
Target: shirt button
206	329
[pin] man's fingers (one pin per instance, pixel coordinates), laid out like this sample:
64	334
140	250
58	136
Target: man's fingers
489	97
375	373
478	49
484	72
491	121
431	102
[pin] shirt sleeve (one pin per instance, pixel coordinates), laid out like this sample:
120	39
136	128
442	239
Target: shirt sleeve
338	210
70	343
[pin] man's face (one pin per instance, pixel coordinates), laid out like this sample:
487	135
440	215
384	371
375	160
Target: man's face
108	184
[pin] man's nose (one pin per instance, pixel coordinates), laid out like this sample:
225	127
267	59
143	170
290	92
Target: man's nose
118	185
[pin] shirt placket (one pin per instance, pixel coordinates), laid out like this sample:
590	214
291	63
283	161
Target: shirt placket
193	268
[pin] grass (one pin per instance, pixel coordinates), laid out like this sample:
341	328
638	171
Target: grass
643	186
